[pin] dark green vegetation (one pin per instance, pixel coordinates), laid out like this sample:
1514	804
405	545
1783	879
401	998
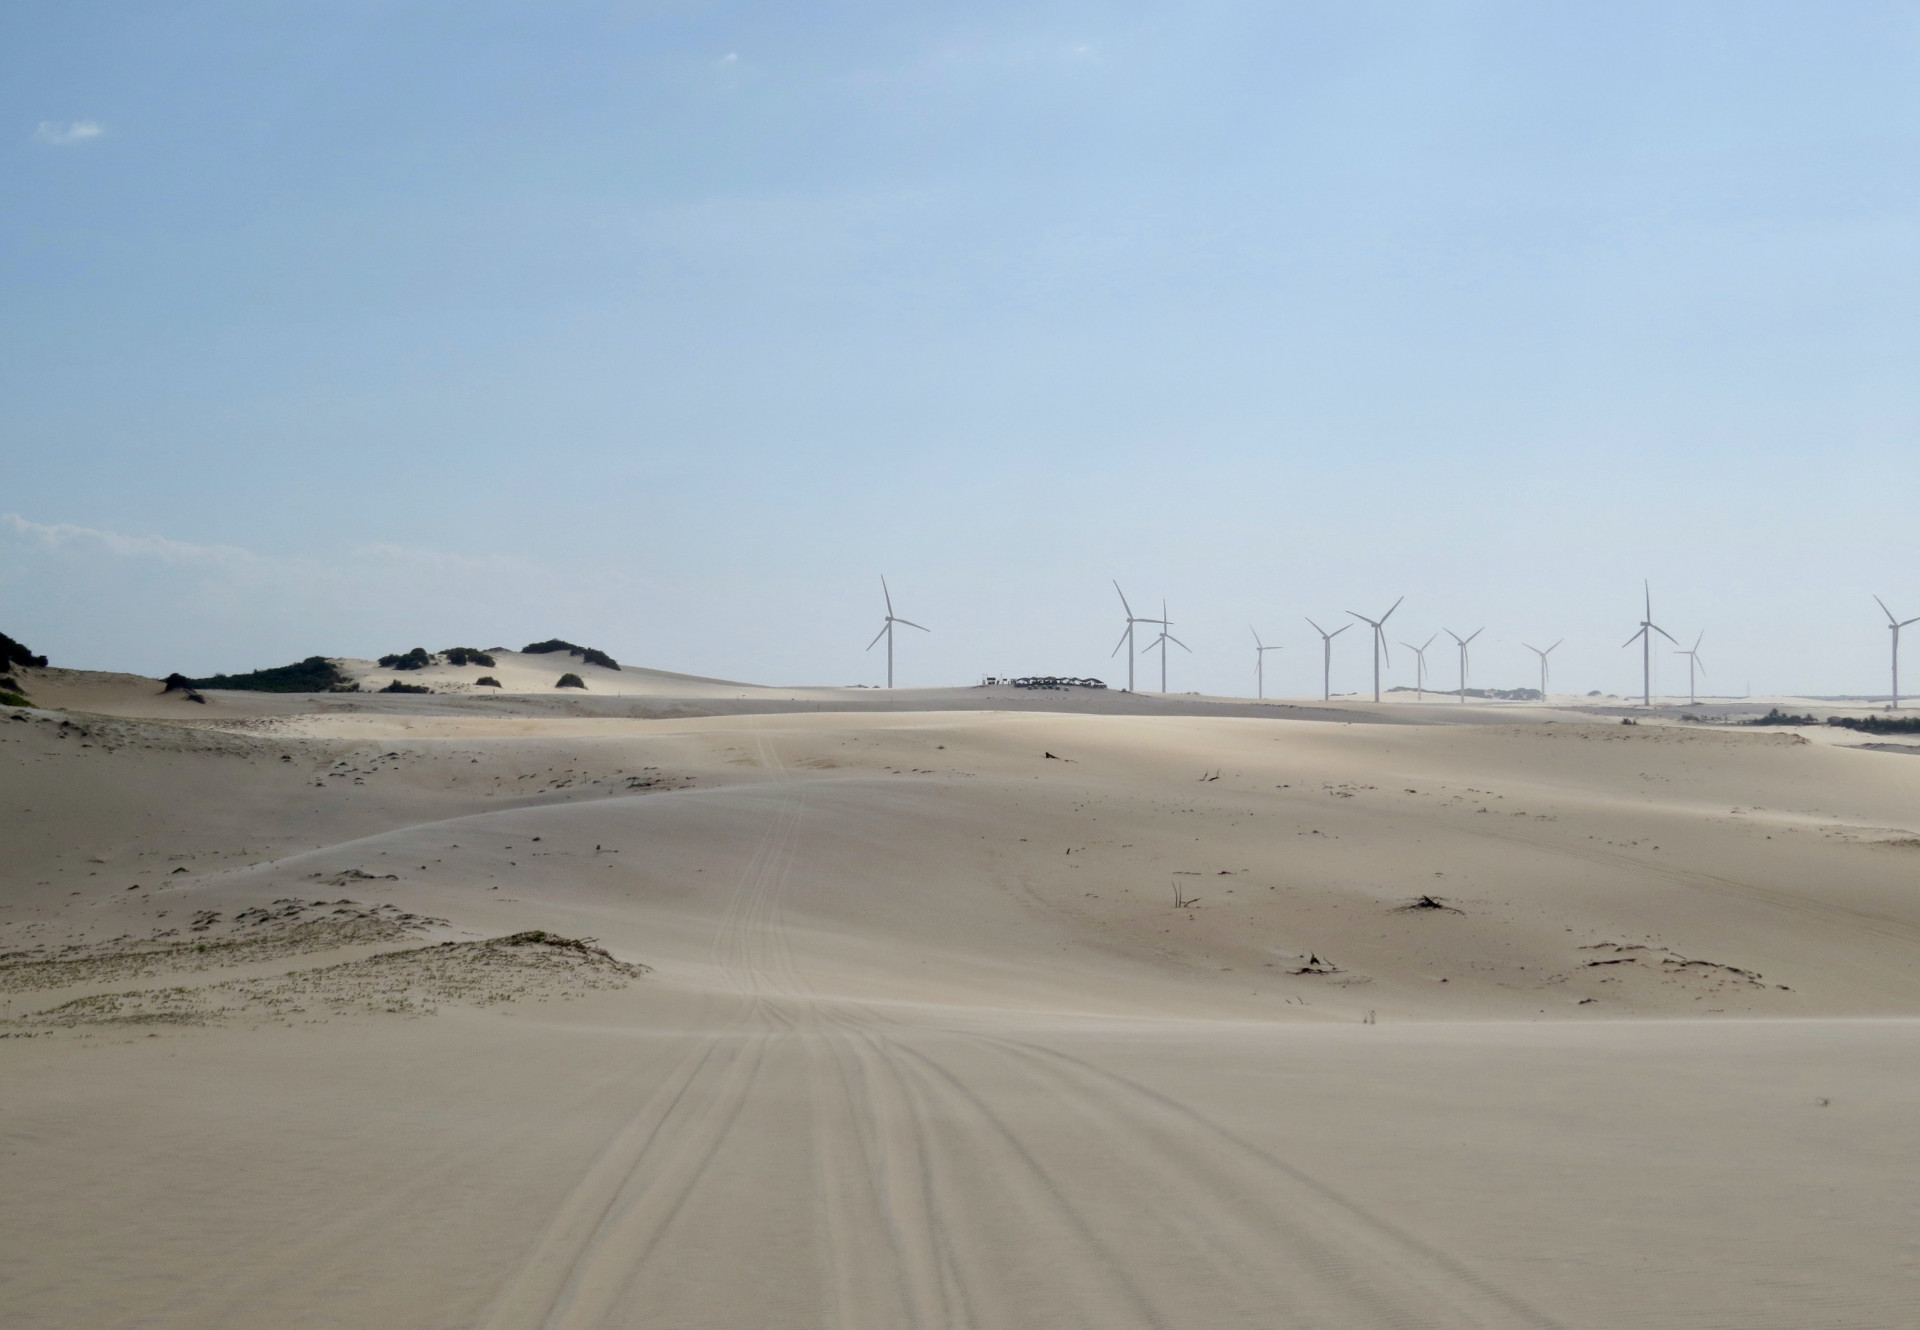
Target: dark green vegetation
1863	724
9	699
416	659
592	655
315	674
397	687
570	681
16	653
486	681
468	656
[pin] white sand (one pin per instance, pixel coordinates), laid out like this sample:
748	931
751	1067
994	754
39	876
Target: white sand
925	1041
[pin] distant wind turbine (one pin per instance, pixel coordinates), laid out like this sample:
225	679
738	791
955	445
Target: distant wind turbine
886	630
1692	654
1161	642
1379	641
1126	638
1894	626
1645	638
1419	667
1543	663
1326	658
1260	650
1462	642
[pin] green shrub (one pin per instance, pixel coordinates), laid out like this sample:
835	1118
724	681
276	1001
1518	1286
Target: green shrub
397	687
571	681
15	653
8	699
468	656
315	674
592	655
416	659
486	681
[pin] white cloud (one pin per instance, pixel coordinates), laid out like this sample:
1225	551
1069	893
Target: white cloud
64	133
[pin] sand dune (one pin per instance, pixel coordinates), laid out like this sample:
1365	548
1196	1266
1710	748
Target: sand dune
1517	1017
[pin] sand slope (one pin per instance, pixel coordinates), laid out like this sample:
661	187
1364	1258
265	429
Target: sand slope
923	1038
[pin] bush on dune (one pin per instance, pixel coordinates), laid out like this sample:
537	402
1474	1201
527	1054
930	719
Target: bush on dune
315	674
592	655
16	653
397	687
416	659
486	681
468	656
571	681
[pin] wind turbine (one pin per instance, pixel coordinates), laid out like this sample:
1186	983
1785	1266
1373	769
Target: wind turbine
1379	641
1645	637
1326	658
886	630
1543	663
1419	667
1126	638
1692	654
1894	626
1162	640
1463	656
1260	650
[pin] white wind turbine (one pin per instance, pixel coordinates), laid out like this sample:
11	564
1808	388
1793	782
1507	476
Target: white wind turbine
1543	663
1462	641
1162	640
1645	637
1326	658
1692	654
1379	641
886	630
1260	650
1419	667
1126	638
1894	626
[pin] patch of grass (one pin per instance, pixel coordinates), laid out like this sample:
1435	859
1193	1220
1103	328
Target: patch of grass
315	674
486	681
13	700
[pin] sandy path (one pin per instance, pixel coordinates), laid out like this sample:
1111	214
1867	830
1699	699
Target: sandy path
925	1045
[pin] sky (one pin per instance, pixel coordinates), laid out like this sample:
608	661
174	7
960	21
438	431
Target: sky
342	328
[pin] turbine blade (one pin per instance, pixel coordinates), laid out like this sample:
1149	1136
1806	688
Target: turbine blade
1477	632
1122	642
1389	613
1635	638
1883	608
1123	598
1915	619
888	594
1256	638
1316	627
1341	629
1664	633
1555	646
1177	642
911	624
877	636
1698	640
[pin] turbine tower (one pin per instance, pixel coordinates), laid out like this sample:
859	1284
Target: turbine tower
1419	667
1645	638
1326	658
1126	638
1543	663
1260	650
1894	626
1162	640
1462	641
1379	641
886	630
1692	654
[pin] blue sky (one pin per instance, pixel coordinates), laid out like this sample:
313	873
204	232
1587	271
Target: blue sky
345	328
